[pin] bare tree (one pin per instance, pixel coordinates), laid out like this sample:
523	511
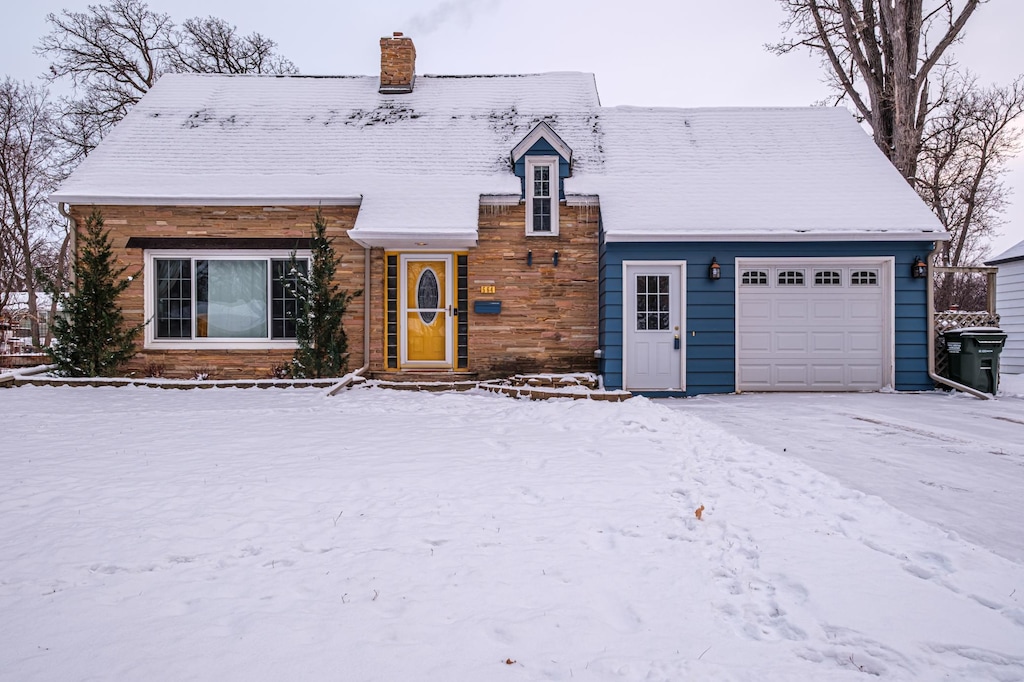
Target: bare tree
968	140
211	45
10	258
967	143
947	135
879	55
27	176
114	53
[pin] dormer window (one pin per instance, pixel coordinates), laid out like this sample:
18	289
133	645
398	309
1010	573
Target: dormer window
542	195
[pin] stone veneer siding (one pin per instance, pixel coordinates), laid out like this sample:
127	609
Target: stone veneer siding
223	221
549	316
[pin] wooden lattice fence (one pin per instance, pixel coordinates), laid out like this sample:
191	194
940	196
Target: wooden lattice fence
957	319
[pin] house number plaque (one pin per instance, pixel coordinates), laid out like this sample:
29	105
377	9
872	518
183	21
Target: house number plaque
487	289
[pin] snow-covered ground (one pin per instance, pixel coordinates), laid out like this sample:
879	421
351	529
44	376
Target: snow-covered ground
269	534
946	458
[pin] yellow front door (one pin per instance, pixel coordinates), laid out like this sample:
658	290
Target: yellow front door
426	311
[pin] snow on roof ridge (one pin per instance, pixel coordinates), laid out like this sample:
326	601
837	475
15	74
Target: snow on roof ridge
718	109
1015	252
329	76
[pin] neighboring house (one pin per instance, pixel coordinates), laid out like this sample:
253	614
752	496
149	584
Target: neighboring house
20	322
511	224
1010	306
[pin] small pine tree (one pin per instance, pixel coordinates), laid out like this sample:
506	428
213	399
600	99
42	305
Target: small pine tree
90	338
322	343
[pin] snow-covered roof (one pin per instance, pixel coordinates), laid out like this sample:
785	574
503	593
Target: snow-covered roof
18	300
418	164
766	173
1015	252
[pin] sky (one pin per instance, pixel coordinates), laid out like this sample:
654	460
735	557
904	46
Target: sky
680	53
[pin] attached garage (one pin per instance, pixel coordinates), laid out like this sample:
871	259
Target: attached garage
799	240
814	324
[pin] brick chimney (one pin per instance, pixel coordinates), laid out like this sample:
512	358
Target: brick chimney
397	64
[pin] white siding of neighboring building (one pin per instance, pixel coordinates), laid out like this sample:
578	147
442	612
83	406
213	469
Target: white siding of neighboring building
1010	306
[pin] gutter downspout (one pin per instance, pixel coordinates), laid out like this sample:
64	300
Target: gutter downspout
931	338
334	390
366	312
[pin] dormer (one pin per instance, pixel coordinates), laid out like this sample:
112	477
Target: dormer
542	159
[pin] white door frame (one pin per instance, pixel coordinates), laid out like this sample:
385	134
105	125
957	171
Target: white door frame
887	270
403	310
626	306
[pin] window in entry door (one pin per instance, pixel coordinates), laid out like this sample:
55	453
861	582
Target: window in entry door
652	303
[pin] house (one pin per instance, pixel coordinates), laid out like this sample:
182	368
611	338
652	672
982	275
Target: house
501	224
19	321
1010	304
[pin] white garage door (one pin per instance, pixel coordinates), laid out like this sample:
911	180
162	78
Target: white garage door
808	324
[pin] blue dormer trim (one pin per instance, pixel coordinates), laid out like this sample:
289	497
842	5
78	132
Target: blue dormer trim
542	141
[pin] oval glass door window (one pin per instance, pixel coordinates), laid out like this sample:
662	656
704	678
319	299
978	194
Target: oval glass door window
428	295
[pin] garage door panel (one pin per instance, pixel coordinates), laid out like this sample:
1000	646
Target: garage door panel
756	309
756	375
865	376
791	310
831	376
828	335
791	374
827	310
867	341
755	342
791	342
865	310
827	342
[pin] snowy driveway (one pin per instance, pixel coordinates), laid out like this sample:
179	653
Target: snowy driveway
949	460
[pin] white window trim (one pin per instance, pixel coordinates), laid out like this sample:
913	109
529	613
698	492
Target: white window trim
149	281
531	163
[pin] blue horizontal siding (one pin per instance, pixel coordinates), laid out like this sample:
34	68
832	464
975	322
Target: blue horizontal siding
711	305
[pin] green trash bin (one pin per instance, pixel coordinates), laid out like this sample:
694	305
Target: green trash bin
974	356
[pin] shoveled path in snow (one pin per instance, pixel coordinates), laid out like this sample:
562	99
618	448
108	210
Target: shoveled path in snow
948	459
276	534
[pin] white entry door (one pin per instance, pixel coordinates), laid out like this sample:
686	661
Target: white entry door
653	334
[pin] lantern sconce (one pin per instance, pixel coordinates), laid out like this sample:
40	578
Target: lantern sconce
714	270
919	269
554	259
529	258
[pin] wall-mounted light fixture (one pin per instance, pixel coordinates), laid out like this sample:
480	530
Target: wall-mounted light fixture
714	270
529	257
554	259
919	269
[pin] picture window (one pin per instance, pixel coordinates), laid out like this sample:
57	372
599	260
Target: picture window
241	298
